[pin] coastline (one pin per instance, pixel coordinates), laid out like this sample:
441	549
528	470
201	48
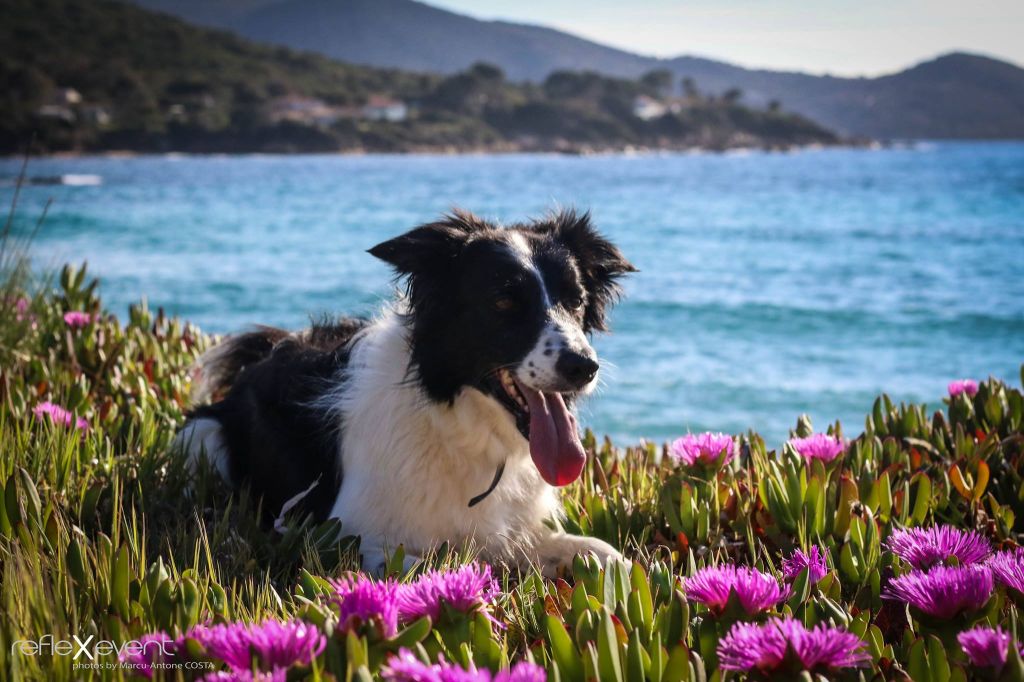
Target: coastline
575	150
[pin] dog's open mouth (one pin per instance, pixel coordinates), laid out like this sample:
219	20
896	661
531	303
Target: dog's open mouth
545	421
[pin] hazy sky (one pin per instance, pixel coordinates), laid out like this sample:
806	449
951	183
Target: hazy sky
849	37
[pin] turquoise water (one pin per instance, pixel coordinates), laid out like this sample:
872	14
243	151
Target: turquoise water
770	284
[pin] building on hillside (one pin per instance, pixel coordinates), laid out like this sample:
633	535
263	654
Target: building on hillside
65	97
647	108
380	108
305	110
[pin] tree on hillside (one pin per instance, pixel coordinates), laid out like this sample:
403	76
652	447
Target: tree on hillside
659	81
690	88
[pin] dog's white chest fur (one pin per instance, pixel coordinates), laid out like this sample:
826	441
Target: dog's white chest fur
411	466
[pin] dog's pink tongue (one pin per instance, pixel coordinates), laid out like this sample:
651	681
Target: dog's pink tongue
554	441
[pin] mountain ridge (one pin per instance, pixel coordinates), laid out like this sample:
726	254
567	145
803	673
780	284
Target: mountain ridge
911	103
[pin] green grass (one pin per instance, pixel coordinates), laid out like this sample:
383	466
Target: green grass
100	536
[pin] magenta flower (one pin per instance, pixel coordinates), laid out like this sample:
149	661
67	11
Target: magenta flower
276	675
944	591
703	449
59	415
362	601
814	562
405	667
76	319
1008	568
21	307
273	644
820	446
925	547
985	647
713	586
467	589
763	648
968	386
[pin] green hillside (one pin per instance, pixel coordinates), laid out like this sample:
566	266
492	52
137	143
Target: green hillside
93	75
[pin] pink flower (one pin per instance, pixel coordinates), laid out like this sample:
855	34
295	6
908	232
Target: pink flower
925	547
59	415
985	647
814	562
361	601
820	446
273	644
277	675
968	386
77	319
943	592
467	589
21	309
714	585
1008	568
764	648
405	667
703	449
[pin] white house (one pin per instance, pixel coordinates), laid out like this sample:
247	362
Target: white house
646	108
379	108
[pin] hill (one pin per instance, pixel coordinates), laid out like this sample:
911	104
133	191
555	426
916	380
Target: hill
955	96
98	74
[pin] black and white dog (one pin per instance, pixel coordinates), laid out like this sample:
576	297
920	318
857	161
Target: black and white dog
446	418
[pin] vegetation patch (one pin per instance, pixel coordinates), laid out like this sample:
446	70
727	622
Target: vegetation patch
890	555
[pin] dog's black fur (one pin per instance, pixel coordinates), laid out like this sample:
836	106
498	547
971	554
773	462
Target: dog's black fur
473	308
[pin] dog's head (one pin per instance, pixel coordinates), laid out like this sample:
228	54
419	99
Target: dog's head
507	311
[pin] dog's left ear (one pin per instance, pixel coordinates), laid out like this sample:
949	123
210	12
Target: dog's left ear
601	264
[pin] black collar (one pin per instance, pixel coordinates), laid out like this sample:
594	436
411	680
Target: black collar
494	484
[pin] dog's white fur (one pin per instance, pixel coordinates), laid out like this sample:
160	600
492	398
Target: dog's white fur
410	466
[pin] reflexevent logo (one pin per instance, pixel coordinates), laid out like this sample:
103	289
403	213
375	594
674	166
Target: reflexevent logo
89	652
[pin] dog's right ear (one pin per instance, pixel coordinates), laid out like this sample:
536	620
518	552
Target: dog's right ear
430	246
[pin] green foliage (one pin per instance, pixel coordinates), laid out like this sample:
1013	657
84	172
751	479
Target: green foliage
169	86
99	534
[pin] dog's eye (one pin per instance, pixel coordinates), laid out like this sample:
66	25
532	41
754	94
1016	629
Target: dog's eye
505	304
574	302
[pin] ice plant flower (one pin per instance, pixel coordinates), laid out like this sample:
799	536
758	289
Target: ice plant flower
985	647
713	586
405	667
703	449
363	601
76	319
785	645
926	547
968	386
276	675
813	561
943	592
467	589
1008	568
59	415
820	446
273	644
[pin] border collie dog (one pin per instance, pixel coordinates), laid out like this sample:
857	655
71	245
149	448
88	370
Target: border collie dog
447	418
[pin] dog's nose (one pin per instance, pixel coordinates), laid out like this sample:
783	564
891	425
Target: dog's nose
579	370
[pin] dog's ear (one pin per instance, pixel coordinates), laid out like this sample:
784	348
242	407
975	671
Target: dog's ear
601	264
429	246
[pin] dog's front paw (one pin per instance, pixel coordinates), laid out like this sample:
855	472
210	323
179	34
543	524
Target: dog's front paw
559	551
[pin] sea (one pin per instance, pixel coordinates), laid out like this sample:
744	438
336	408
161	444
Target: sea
770	284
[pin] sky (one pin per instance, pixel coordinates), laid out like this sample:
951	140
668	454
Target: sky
842	37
